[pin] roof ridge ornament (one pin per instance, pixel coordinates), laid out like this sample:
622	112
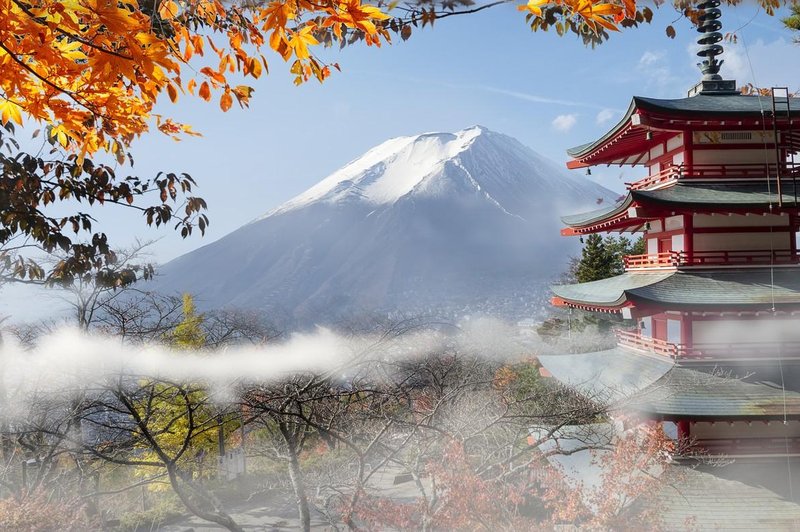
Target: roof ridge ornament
708	25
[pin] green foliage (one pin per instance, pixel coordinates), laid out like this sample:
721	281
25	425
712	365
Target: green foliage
602	258
596	262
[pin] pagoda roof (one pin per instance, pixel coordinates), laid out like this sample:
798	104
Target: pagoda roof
607	376
717	104
717	196
657	386
757	194
711	289
691	498
611	292
628	135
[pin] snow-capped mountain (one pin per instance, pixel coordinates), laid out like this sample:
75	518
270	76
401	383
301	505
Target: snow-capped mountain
466	221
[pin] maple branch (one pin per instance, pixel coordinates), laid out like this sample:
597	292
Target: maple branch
65	33
445	14
77	99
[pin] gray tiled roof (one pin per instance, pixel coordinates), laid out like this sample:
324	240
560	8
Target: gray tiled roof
586	218
610	375
611	291
690	392
738	104
698	500
655	385
755	194
712	289
758	194
723	288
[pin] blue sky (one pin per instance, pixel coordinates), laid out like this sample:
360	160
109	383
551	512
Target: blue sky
488	68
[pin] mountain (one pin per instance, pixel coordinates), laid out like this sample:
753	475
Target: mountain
465	221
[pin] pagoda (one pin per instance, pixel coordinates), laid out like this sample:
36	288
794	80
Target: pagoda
712	350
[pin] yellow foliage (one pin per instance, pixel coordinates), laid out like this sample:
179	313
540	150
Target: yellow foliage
93	70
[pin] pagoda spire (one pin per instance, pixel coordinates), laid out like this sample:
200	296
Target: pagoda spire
708	25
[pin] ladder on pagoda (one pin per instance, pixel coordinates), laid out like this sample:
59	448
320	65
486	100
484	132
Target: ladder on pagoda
782	111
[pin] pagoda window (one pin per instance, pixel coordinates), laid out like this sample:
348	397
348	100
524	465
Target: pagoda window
763	334
673	222
700	221
646	327
652	246
656	151
678	243
674	143
761	241
670	430
674	331
702	156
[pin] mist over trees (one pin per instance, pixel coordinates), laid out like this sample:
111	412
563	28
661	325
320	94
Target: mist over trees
414	429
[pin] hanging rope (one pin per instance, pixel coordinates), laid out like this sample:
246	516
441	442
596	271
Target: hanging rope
772	257
766	166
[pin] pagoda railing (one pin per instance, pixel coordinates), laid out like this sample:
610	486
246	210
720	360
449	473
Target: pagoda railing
740	170
669	174
635	340
667	259
674	172
738	257
708	351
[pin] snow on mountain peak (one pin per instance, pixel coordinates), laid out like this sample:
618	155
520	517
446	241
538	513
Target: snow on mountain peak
390	170
465	220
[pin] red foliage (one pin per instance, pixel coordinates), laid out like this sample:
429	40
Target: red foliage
540	495
38	512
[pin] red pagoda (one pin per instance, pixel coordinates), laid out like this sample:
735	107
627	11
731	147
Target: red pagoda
713	352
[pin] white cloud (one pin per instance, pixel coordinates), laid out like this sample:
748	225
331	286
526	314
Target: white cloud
775	63
604	116
654	70
565	122
649	58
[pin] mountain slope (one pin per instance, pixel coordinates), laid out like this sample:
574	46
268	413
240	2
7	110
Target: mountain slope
457	220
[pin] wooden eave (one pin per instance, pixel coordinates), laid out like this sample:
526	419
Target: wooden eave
610	309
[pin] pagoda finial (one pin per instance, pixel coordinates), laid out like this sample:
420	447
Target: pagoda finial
708	25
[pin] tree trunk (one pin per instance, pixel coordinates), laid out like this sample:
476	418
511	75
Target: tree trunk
296	476
221	447
299	492
215	515
6	443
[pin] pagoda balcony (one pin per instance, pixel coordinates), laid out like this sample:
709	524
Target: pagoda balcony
673	173
700	352
734	258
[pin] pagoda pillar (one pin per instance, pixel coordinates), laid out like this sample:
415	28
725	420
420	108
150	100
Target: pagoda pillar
683	430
